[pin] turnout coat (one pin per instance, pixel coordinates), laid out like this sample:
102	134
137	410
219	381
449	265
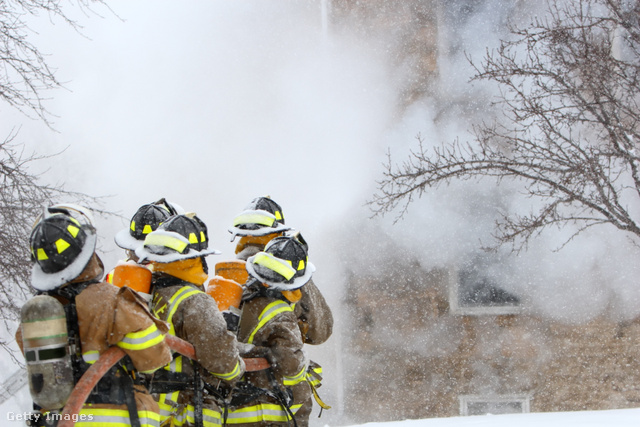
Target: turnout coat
271	327
194	316
111	316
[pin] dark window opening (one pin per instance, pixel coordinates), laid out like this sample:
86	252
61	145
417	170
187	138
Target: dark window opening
478	285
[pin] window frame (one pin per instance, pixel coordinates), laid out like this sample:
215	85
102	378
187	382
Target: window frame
456	308
465	399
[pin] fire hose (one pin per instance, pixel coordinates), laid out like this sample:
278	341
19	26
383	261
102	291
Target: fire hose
110	357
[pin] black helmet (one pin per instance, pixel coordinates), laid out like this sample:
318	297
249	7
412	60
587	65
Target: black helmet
179	237
260	217
266	204
146	219
61	247
283	265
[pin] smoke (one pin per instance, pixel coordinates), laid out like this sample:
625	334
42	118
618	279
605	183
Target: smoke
211	104
592	275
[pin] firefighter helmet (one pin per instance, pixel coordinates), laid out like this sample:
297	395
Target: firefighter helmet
179	237
262	216
62	242
146	219
283	265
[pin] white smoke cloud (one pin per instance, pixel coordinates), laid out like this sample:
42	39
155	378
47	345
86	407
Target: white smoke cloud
213	103
592	275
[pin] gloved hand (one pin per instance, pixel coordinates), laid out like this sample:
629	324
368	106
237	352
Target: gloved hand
250	350
243	348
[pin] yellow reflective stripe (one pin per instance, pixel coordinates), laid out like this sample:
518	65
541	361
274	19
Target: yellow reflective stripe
174	302
165	240
62	245
298	378
41	254
230	375
260	412
96	417
269	312
254	217
90	357
73	230
314	381
210	417
175	365
169	407
142	340
280	266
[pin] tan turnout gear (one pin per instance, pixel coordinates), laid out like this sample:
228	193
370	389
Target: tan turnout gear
175	251
258	227
271	324
314	314
101	316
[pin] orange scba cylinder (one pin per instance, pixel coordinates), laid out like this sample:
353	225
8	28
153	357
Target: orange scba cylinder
133	276
226	292
234	270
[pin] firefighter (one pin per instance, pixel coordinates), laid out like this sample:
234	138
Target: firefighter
147	218
269	328
175	252
66	272
260	222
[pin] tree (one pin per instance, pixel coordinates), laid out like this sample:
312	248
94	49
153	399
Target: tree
569	90
24	79
24	73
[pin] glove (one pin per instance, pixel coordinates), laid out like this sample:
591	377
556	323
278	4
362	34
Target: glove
258	351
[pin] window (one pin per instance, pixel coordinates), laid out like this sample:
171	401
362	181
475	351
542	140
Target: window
477	289
494	405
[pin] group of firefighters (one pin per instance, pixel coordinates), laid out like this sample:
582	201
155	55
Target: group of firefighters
79	313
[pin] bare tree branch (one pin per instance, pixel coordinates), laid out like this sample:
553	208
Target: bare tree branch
25	75
569	89
22	197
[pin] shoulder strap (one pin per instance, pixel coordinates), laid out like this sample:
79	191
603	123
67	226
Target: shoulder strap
69	293
122	382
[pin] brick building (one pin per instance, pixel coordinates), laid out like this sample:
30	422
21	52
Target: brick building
436	343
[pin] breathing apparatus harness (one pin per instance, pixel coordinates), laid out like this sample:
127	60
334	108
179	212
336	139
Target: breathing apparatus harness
116	386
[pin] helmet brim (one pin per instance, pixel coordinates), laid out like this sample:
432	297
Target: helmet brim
144	254
235	231
47	282
297	283
125	240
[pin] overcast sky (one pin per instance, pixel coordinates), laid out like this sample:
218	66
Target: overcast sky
211	104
